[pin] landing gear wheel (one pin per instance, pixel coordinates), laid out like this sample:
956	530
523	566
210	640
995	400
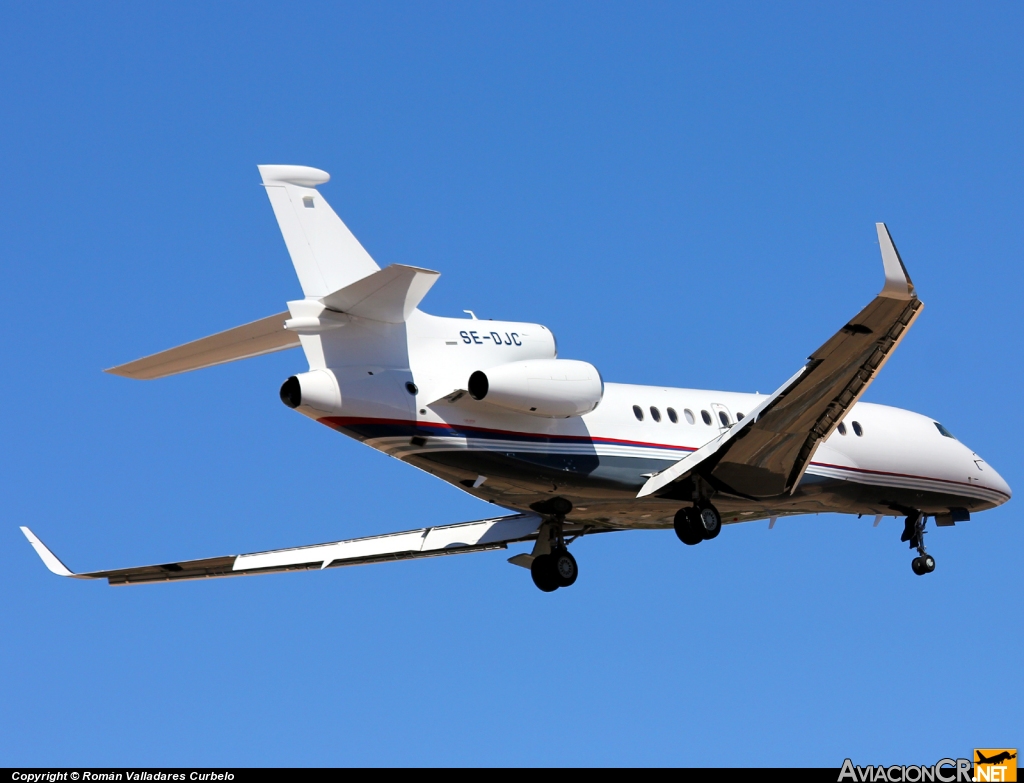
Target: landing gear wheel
687	526
563	567
543	573
710	521
913	532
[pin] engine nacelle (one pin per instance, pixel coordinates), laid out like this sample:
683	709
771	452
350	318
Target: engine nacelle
315	389
552	388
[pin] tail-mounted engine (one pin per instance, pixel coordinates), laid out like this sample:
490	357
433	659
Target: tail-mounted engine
552	388
315	389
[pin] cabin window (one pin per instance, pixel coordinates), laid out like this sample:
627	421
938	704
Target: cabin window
689	416
841	428
655	414
706	417
857	429
638	412
946	433
672	416
739	417
724	418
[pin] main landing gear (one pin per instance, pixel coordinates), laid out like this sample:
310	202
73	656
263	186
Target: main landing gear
700	522
553	566
554	570
913	533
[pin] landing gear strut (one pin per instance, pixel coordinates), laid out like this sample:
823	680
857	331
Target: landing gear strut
700	522
913	533
553	566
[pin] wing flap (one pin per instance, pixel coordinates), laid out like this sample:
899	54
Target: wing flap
479	536
243	342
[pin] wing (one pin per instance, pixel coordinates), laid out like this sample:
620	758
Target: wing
253	339
479	536
767	453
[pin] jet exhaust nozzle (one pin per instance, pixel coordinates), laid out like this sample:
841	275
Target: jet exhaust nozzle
316	389
478	385
291	392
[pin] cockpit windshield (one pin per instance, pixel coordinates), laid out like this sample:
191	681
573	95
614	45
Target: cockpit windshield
945	432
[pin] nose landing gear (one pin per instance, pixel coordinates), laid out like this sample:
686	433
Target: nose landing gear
923	565
913	533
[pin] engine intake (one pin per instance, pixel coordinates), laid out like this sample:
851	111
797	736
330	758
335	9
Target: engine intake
551	388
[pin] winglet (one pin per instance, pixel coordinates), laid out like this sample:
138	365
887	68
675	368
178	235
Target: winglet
49	559
897	281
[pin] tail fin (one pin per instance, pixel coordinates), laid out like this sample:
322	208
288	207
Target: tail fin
327	257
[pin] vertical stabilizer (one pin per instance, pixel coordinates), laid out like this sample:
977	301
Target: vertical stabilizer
327	257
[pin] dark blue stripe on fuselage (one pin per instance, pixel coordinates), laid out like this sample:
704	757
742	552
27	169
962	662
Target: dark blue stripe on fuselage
366	429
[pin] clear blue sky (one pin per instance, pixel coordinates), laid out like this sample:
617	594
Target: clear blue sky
684	194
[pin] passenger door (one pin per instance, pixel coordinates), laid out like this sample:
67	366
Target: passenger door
721	416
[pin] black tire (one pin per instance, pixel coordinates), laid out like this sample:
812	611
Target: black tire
928	563
686	527
709	521
918	566
563	567
543	574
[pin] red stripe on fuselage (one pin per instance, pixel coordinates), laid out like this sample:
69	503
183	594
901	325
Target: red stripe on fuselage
338	421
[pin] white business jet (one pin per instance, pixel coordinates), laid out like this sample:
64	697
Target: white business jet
488	407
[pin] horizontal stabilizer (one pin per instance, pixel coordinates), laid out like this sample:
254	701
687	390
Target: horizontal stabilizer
389	295
254	339
479	536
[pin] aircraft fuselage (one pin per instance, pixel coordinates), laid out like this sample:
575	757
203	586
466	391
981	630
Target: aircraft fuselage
883	460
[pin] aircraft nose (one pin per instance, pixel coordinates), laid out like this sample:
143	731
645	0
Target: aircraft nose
992	480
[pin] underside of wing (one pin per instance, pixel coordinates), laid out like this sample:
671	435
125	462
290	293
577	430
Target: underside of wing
253	339
478	536
766	455
770	457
